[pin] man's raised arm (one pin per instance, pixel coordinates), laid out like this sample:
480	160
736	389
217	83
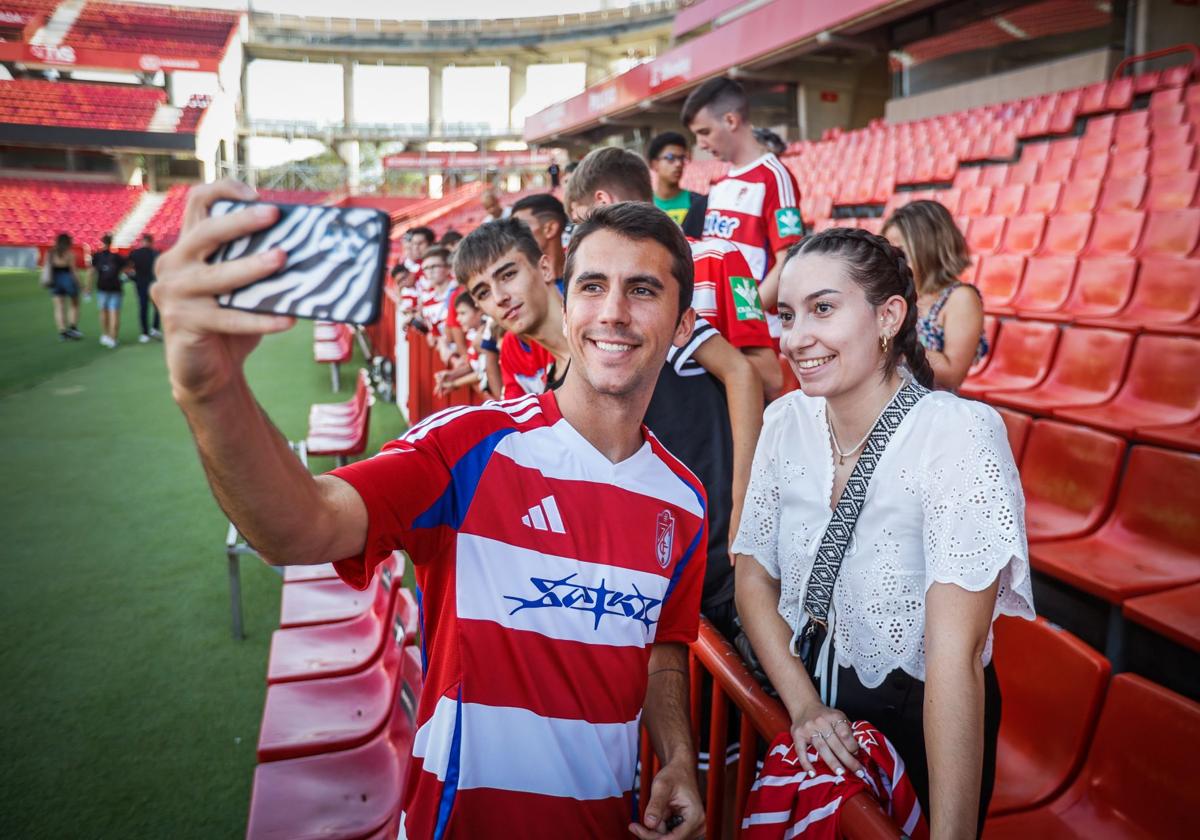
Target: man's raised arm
289	516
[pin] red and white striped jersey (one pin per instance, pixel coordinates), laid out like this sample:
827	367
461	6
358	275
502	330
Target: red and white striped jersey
726	293
756	208
524	366
546	574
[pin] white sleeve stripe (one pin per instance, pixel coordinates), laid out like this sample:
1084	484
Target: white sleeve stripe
787	196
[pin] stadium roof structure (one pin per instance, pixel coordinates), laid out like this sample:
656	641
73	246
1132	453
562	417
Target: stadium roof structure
746	39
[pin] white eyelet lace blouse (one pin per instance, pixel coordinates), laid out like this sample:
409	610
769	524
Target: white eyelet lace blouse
944	506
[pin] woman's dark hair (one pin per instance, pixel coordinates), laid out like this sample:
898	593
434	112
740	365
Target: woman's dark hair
936	249
639	221
62	243
881	271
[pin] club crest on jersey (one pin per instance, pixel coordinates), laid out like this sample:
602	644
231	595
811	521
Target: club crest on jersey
664	539
788	223
721	226
746	303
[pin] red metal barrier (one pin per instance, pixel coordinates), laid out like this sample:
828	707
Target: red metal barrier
423	363
762	717
1192	49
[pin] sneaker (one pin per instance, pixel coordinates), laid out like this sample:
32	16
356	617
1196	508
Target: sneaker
63	336
108	342
156	334
143	339
73	332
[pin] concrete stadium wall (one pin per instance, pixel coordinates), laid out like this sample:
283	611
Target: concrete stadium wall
1078	70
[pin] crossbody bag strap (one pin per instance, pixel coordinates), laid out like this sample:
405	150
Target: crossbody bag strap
819	593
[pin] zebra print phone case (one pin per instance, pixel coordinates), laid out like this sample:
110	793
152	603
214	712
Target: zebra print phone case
336	261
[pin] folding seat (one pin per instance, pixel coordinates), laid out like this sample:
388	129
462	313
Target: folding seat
1042	198
1128	163
1167	295
1123	193
1177	76
1069	474
985	234
1025	172
1092	99
1089	367
1170	160
1132	139
1161	388
991	329
1080	195
1046	285
1066	234
1166	98
1166	136
999	280
1034	152
1008	200
1024	234
325	601
1116	234
1167	116
1021	359
967	177
1173	614
1150	542
1016	427
1172	233
300	574
1130	122
1090	166
1144	83
1180	436
343	795
994	176
1053	685
1119	96
975	201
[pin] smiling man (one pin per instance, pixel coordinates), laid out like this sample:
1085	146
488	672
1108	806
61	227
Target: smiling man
557	544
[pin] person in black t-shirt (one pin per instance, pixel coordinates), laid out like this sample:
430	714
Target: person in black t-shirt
107	266
142	259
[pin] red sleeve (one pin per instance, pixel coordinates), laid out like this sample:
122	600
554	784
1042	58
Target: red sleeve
740	316
782	211
509	387
397	486
452	315
679	619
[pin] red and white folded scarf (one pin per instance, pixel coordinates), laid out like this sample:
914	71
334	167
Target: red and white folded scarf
786	803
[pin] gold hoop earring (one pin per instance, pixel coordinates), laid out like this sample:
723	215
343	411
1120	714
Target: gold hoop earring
883	342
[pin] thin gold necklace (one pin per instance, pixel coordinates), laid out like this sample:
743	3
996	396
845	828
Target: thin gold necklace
842	456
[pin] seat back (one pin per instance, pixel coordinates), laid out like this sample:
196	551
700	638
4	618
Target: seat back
1072	468
1008	200
1172	159
1130	162
991	328
1142	761
1172	233
1172	192
1047	282
1025	349
975	201
985	233
1102	283
1042	198
1024	233
1066	234
402	727
1116	234
1017	425
1091	360
1053	687
1123	193
1168	291
1159	497
1080	195
1165	370
999	278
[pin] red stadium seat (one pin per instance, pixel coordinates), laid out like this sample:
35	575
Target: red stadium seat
967	177
1008	200
1150	542
1166	98
1172	233
1182	436
1089	367
994	176
1116	234
1167	295
1161	388
1126	164
999	280
1130	786
1171	160
1103	286
1016	426
991	328
1053	687
1056	170
1066	148
1123	193
1021	359
1034	152
1069	474
1042	198
339	648
975	202
300	574
985	233
1119	95
343	795
1024	233
1172	613
1092	101
1023	173
1046	285
950	199
1066	234
325	601
1093	167
1172	192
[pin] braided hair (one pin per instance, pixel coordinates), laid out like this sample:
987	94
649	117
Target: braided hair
881	271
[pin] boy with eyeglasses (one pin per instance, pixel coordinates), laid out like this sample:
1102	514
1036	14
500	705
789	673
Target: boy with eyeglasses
667	155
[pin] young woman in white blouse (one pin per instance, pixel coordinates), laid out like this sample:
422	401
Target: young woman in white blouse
937	553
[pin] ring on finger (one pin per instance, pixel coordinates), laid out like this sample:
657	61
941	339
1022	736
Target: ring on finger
826	734
842	721
820	735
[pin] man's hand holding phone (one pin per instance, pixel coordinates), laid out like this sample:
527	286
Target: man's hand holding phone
207	344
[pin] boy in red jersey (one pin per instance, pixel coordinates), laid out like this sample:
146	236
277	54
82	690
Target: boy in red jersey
556	542
756	206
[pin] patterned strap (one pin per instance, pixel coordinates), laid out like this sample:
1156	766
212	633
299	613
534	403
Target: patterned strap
828	563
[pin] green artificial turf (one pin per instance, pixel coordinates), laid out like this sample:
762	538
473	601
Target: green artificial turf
128	709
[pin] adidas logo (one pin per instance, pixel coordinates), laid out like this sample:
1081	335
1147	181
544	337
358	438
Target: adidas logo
544	517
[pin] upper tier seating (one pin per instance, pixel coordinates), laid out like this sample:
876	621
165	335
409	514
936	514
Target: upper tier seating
148	29
34	212
79	104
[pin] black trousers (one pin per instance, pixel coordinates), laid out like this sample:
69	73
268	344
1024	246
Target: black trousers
895	707
144	307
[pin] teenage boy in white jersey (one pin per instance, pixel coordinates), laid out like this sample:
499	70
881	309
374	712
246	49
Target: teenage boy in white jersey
558	771
756	205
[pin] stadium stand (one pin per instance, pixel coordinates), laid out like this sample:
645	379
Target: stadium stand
79	104
150	29
33	212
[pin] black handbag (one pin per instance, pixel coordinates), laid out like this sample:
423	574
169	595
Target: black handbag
818	594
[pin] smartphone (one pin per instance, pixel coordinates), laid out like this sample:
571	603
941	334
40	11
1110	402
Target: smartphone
336	261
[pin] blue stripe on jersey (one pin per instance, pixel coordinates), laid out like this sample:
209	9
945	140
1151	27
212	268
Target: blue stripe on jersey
451	507
450	786
691	549
421	627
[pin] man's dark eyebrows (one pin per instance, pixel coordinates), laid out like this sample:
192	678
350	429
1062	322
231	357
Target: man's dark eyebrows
585	276
648	279
504	268
821	293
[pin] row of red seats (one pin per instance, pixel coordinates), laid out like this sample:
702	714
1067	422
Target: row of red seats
34	212
1121	233
172	31
339	719
79	104
1142	388
340	430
